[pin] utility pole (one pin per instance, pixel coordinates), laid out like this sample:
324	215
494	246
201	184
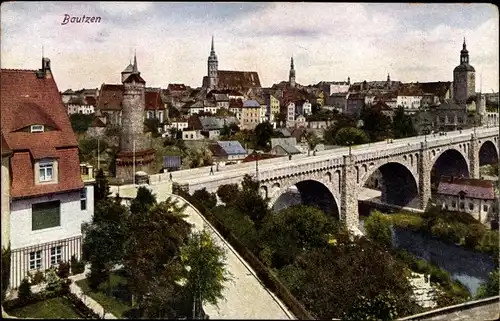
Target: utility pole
98	154
133	161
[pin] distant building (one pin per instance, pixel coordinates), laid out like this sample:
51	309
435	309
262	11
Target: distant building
224	152
97	128
464	78
250	115
284	146
473	196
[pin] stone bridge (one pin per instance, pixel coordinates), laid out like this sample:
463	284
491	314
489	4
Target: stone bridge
340	174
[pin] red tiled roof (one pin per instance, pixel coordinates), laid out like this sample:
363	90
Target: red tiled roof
229	79
153	101
90	100
110	97
473	188
235	103
24	96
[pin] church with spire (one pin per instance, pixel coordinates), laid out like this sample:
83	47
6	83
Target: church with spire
216	79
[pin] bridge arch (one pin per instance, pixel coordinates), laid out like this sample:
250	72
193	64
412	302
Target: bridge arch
488	152
449	162
400	183
313	191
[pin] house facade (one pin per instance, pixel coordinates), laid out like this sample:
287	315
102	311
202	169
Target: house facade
224	152
473	196
250	114
49	201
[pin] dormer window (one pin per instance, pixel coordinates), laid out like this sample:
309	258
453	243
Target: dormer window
37	128
46	170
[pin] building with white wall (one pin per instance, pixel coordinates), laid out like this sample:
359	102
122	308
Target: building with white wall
49	201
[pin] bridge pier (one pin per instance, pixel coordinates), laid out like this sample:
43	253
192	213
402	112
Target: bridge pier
474	157
349	199
424	176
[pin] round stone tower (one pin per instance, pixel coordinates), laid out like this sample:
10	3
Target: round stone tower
464	78
135	152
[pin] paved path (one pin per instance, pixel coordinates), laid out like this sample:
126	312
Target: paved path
245	297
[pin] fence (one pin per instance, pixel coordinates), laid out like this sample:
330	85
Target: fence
20	258
264	274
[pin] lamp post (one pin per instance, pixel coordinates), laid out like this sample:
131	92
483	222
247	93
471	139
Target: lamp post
350	143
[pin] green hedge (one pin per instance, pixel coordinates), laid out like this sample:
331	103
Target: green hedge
83	310
264	274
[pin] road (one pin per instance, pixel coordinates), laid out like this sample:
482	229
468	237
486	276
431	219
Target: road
245	296
202	175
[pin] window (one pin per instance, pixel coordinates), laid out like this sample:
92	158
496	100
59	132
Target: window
83	199
55	255
453	204
45	215
462	195
471	206
46	169
35	260
37	128
462	206
485	208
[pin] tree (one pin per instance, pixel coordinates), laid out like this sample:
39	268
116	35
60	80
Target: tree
312	140
335	276
490	287
5	269
152	254
206	270
225	131
380	308
294	230
228	192
101	188
402	124
142	201
378	229
104	237
152	125
375	124
206	198
250	201
341	121
350	136
263	133
81	122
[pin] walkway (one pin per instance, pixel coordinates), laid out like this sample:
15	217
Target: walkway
245	296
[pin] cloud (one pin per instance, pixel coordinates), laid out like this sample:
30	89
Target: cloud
328	41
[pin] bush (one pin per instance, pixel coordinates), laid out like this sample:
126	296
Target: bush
97	275
37	278
63	270
77	266
474	235
489	243
53	280
24	291
5	270
378	229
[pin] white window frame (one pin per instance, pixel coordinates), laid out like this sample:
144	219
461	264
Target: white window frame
37	128
35	260
55	255
83	199
44	167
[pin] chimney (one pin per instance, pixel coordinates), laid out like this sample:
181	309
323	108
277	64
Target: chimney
45	71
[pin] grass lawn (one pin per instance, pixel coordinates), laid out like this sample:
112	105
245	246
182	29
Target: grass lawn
116	306
55	308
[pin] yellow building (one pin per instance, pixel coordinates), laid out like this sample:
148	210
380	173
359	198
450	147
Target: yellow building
250	115
320	98
274	107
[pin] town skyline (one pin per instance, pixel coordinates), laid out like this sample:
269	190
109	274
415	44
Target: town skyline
410	42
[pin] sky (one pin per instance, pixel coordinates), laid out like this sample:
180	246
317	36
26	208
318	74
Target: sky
329	41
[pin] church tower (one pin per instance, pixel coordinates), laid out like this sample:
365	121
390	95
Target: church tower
135	152
464	78
291	75
212	68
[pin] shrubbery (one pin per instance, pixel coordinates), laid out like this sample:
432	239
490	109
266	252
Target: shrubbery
77	266
24	290
378	229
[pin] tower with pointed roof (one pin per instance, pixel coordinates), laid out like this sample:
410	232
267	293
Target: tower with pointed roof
291	75
135	147
464	78
212	67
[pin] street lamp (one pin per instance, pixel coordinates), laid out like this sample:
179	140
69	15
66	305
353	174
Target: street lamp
350	143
